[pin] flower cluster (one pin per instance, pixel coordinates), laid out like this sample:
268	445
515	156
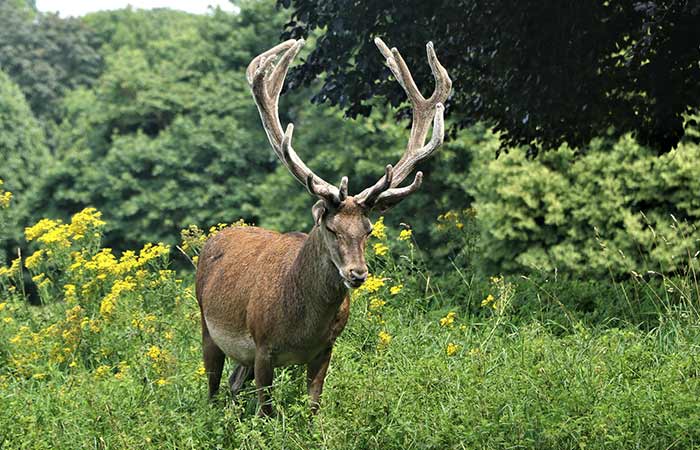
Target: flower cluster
451	349
455	219
448	320
372	284
384	338
504	294
379	229
107	300
5	197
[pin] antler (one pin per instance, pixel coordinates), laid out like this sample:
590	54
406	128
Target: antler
385	193
266	80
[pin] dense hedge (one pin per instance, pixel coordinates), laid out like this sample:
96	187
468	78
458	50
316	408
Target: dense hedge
615	209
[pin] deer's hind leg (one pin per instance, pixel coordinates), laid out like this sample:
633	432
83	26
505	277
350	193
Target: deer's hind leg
214	359
240	375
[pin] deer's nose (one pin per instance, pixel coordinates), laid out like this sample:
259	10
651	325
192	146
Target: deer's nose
358	275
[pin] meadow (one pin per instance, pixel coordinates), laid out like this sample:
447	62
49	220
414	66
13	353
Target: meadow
110	357
559	310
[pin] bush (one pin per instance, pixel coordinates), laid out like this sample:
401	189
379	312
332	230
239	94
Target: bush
617	208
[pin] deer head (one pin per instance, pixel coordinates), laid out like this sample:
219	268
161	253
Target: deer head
342	219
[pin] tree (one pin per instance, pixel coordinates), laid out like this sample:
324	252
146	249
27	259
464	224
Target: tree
45	55
24	159
543	73
168	136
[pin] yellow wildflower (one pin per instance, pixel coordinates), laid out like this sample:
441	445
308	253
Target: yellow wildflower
405	235
39	376
380	249
162	382
379	229
107	306
103	262
488	300
384	338
395	289
168	335
40	228
5	197
13	270
87	219
451	349
58	235
94	326
41	281
448	320
376	303
108	303
8	319
3	305
372	284
69	293
150	252
102	371
201	370
154	352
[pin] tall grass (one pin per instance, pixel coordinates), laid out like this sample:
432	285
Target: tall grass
111	359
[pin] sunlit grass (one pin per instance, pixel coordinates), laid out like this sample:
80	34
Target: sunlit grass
455	361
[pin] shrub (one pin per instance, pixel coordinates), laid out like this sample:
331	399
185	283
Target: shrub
617	208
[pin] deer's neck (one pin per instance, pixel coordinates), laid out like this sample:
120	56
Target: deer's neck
313	281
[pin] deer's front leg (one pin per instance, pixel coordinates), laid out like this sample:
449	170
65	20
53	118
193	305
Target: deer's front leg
315	377
263	380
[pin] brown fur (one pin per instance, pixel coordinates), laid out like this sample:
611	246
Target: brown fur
284	291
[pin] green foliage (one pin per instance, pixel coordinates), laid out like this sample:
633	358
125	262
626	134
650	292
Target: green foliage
114	356
540	74
45	55
24	159
167	137
616	209
334	146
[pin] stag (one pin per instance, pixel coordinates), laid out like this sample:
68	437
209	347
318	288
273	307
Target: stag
269	299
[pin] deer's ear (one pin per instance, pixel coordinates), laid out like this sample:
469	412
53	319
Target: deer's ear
318	210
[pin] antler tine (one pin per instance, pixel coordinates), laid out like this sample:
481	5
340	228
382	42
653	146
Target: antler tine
266	82
370	195
423	111
343	188
390	197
